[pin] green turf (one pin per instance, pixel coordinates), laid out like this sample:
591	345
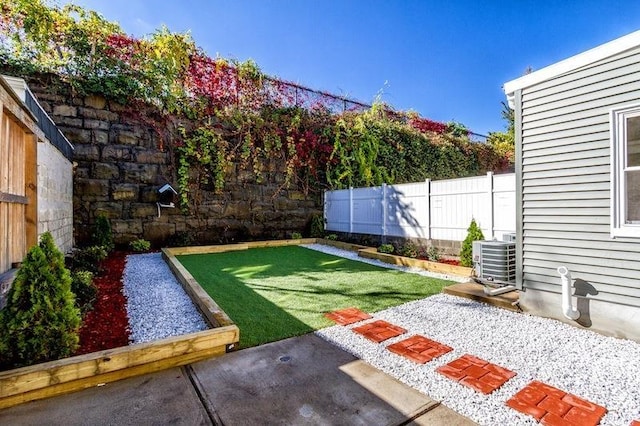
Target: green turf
278	292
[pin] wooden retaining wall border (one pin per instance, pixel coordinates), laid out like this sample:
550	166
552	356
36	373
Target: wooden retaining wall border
441	268
80	372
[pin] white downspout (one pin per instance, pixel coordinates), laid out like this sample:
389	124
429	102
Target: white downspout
567	293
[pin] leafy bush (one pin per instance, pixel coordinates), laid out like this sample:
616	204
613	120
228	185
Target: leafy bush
84	289
140	245
102	234
317	226
296	236
474	233
332	237
409	249
88	258
40	322
180	239
433	254
386	248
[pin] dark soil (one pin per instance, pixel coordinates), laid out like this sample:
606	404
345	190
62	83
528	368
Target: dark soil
106	326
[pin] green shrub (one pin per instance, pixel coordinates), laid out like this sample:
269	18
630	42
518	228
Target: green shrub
181	239
474	233
140	245
317	226
433	254
89	258
386	248
83	288
102	234
296	236
40	322
409	249
332	237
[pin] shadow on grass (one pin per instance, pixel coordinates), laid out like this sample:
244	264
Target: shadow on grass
279	292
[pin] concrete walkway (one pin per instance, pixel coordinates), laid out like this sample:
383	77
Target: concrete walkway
302	381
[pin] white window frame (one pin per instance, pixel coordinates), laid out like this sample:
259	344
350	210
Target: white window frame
618	121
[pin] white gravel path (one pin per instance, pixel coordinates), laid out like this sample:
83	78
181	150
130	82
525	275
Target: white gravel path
601	369
157	305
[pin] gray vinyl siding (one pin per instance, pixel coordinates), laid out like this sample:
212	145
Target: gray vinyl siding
565	184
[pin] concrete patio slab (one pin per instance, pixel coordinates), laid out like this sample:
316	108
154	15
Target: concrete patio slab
305	380
166	397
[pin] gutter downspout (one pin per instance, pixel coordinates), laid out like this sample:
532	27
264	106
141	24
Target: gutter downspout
567	289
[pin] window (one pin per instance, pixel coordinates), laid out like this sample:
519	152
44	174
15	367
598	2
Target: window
625	172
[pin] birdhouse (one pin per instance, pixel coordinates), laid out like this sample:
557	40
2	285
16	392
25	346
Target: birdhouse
166	197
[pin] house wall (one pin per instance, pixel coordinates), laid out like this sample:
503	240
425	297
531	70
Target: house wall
564	181
55	195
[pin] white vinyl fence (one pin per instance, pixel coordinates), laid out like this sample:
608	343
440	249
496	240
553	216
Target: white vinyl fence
437	210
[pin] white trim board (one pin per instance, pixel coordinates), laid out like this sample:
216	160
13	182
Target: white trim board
603	51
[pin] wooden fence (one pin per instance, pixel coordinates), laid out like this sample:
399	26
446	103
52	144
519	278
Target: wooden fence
18	179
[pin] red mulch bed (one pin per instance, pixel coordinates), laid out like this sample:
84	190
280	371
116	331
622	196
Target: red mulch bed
454	262
106	326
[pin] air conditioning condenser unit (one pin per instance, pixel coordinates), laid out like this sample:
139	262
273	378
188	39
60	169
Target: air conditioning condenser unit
495	265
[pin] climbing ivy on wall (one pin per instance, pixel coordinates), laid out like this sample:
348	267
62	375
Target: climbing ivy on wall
235	117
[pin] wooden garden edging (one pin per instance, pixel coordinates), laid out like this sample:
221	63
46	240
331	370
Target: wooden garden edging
442	268
79	372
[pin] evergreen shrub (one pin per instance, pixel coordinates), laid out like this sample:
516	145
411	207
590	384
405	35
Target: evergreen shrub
84	290
474	233
317	226
102	233
40	322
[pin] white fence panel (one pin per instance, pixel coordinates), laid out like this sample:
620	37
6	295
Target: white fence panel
440	210
367	211
407	210
455	202
504	205
337	206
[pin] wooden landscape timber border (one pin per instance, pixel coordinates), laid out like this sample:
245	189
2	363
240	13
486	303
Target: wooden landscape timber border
363	251
83	371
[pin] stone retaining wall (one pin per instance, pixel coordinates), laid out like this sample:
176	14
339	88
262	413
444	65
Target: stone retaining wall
121	160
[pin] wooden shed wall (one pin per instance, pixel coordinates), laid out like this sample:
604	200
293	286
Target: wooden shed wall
566	181
18	178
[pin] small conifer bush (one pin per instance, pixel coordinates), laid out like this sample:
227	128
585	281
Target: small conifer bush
474	233
102	233
317	227
40	321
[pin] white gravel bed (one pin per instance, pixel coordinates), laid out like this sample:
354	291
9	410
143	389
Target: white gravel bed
601	369
354	256
157	305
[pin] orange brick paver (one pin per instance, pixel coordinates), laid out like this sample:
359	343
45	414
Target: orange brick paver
554	407
635	423
476	373
347	316
379	331
419	349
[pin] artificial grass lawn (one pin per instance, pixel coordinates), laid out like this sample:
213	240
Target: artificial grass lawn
278	292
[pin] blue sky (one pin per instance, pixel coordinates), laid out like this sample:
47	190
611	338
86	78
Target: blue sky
445	59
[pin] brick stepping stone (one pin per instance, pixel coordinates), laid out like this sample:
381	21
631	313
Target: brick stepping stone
379	331
419	349
476	373
552	406
347	316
